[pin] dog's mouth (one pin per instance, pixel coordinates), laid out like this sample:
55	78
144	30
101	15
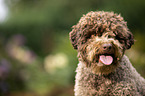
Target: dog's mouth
105	59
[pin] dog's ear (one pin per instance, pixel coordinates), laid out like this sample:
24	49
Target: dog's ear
73	37
129	41
125	37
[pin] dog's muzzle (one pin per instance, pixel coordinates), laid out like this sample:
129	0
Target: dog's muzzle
107	54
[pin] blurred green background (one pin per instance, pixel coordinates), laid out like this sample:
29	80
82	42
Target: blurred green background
36	56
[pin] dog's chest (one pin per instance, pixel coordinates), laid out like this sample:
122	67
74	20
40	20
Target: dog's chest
96	85
89	84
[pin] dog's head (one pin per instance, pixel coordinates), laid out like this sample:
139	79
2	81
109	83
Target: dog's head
101	39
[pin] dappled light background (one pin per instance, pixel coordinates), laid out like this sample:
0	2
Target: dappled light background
36	56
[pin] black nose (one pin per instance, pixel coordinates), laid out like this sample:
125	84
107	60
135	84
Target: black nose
107	47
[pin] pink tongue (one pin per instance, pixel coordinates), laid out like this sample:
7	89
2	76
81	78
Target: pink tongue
107	60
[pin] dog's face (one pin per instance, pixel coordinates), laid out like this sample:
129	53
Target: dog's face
101	39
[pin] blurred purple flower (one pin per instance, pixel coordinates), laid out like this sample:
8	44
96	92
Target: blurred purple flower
18	39
3	87
4	68
17	50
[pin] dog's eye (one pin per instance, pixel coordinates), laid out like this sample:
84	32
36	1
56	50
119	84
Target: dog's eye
121	41
109	36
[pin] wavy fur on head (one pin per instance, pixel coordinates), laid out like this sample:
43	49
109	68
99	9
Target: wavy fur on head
98	35
96	23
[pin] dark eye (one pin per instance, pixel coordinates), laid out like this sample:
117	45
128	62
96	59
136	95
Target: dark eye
121	41
110	36
120	38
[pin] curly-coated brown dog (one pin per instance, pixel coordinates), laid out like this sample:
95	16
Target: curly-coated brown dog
101	39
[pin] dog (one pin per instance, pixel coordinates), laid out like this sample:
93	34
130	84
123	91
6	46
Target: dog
101	39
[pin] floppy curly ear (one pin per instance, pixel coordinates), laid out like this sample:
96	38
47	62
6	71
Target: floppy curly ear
124	36
73	37
129	41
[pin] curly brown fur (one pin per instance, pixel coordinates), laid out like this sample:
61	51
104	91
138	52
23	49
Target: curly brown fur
101	39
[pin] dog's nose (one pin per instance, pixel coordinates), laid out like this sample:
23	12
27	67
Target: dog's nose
107	47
